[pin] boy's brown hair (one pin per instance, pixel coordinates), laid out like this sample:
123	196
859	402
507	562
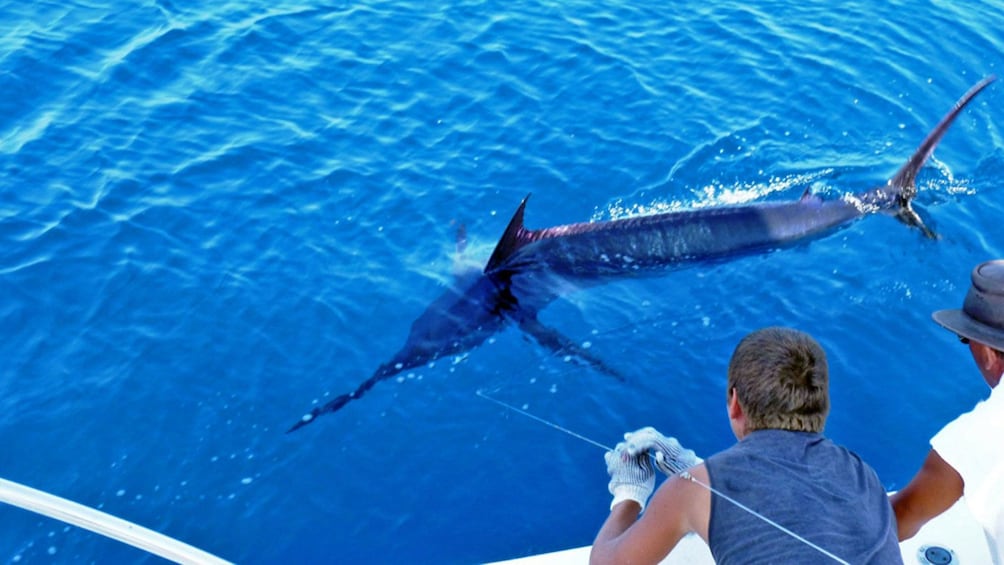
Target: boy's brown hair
782	380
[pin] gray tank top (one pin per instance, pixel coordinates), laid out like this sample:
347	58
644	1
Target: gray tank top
805	482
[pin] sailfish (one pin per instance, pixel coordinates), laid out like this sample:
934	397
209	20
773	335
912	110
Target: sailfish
530	268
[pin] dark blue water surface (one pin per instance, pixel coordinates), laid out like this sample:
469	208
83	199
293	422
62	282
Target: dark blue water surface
215	214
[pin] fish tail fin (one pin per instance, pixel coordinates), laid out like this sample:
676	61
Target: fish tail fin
902	188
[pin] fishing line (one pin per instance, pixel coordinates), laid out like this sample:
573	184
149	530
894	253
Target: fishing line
683	475
545	422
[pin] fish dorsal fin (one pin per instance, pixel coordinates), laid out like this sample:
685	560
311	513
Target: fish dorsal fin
906	176
511	240
807	194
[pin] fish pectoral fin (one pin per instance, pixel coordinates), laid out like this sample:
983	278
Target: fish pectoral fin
562	345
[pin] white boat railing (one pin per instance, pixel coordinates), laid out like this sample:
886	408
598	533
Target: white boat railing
99	522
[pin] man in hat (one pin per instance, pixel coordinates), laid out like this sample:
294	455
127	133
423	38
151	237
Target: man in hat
967	455
784	493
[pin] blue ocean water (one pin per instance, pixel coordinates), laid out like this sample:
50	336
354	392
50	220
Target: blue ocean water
215	214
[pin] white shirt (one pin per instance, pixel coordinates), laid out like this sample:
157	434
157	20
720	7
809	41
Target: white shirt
973	444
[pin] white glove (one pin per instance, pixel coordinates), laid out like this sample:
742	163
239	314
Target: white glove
670	456
631	476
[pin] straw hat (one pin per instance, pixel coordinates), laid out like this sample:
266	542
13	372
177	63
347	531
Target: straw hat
982	315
